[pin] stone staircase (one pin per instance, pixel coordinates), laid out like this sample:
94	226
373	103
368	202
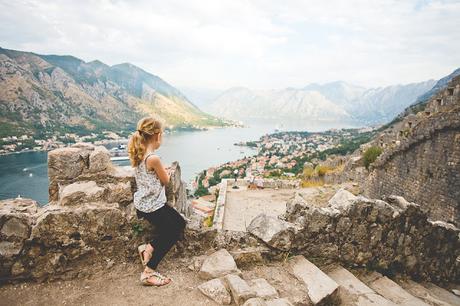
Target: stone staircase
300	282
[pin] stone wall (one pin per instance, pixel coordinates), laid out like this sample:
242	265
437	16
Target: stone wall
423	165
89	221
392	236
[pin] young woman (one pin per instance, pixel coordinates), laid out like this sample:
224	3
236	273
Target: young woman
150	199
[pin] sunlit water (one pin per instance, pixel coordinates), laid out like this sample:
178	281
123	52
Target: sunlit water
25	174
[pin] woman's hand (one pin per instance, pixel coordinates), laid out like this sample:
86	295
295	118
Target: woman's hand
154	163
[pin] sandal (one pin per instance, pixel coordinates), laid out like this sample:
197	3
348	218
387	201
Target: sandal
160	279
142	249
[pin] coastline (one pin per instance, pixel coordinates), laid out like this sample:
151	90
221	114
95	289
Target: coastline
125	140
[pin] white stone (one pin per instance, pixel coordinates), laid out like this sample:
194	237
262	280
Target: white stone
215	290
218	264
262	288
355	290
395	293
341	199
320	287
239	288
273	231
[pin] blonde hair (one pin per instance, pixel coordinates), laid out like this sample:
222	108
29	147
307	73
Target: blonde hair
147	128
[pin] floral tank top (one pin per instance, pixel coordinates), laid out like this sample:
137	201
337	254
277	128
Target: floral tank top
150	194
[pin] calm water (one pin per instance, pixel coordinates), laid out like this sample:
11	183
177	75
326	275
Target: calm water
25	174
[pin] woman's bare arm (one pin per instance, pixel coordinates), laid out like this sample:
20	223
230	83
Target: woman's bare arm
154	163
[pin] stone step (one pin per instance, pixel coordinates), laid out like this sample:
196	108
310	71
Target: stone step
394	292
321	288
352	291
443	294
423	293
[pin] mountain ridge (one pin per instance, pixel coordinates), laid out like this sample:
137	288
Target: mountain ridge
330	101
46	94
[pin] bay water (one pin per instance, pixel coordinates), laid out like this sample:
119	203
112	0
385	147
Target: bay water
26	174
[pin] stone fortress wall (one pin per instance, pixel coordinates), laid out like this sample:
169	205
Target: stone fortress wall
90	224
421	158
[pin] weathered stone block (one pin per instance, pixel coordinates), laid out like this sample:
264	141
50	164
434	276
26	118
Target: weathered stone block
99	159
120	193
262	288
80	193
215	290
273	231
321	288
66	163
239	288
295	207
218	264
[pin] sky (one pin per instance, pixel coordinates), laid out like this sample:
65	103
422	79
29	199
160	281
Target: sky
258	44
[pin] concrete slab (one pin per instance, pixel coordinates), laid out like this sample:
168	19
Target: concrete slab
321	288
355	292
395	293
421	292
242	206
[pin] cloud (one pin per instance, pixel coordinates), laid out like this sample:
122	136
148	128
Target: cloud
261	44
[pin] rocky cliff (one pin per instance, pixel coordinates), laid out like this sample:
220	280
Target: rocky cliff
42	94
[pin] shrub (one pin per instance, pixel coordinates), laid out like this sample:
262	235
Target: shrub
308	172
370	155
208	221
322	170
201	191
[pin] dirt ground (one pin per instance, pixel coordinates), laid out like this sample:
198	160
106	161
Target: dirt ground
120	285
117	286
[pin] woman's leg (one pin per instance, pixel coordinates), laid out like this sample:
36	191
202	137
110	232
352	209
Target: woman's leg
169	225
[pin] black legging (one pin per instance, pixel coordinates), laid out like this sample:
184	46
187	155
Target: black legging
169	226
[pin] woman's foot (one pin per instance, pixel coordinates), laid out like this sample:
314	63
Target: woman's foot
150	277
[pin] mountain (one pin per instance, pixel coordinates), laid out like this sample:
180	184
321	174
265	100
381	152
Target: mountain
336	101
48	94
276	105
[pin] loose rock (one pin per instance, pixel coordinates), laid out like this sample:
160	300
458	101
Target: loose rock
273	231
241	291
216	290
218	264
262	288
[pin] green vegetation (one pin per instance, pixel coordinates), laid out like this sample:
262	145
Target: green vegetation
201	190
137	228
370	155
